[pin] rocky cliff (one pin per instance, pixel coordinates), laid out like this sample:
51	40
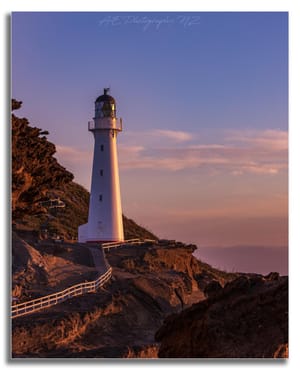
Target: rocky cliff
161	302
248	318
234	315
149	282
34	169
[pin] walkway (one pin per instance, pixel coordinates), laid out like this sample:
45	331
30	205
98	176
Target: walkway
105	273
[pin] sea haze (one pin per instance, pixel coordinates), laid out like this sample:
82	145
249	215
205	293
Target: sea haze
261	260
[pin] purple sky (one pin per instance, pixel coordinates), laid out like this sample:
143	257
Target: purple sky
204	102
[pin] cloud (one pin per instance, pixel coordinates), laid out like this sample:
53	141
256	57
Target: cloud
71	154
177	136
239	152
129	150
178	161
266	139
78	161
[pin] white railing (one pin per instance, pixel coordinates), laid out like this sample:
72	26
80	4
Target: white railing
75	290
55	298
109	245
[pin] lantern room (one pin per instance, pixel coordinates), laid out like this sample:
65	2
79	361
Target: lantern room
105	106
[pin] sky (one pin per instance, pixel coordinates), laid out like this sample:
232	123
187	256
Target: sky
204	102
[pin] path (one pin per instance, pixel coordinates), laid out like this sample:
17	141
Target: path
99	259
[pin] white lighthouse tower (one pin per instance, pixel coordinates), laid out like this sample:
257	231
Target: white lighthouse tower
105	211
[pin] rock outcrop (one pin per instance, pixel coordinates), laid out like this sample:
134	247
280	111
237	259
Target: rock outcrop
34	168
248	318
149	282
237	315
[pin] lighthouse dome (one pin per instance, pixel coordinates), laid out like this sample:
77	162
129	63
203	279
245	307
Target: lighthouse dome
105	105
105	97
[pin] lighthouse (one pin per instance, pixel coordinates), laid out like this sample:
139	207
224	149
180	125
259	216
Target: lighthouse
105	211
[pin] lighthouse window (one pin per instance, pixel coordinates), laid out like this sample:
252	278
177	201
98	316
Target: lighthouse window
101	172
102	148
100	198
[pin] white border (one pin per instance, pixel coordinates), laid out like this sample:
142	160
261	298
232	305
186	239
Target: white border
294	144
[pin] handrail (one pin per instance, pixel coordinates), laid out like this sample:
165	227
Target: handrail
118	244
50	300
62	293
59	297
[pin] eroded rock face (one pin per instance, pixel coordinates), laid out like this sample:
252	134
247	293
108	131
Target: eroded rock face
242	316
149	283
248	318
34	168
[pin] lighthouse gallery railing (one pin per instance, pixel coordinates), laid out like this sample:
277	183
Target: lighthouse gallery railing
114	123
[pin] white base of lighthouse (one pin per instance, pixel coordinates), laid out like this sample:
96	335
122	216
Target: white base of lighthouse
105	222
83	236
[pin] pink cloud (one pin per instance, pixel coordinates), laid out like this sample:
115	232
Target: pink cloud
256	152
238	153
266	139
71	154
177	136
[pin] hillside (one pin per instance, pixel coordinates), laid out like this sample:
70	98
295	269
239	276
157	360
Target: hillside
149	282
34	169
37	177
160	302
